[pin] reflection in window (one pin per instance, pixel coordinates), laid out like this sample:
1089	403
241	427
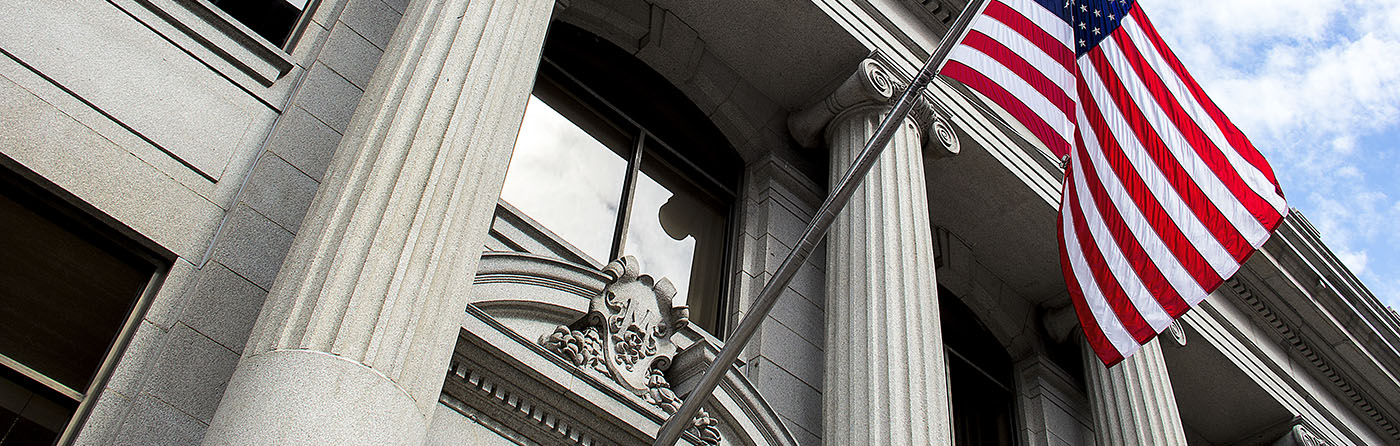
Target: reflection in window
565	179
586	172
678	229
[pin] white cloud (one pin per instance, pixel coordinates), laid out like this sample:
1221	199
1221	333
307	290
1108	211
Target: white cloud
1316	86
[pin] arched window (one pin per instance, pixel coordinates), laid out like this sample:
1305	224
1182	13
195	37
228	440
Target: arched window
979	377
612	160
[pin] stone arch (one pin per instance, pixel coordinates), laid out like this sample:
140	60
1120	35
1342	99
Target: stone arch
1007	316
750	121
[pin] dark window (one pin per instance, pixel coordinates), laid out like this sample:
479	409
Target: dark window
979	377
274	20
615	161
69	285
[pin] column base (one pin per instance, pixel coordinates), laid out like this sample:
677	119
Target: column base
307	397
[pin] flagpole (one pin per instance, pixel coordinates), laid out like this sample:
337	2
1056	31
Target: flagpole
840	195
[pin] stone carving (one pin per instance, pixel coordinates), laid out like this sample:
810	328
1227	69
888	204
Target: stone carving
583	348
659	393
875	85
1177	333
626	336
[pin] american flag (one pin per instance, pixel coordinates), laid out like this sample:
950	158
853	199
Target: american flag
1164	198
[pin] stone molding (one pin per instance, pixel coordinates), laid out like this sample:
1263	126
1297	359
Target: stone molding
518	298
874	84
1303	347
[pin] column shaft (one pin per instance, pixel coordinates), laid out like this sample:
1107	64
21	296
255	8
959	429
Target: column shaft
885	377
1133	403
353	341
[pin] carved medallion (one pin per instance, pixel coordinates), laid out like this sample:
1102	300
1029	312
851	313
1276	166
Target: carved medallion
626	336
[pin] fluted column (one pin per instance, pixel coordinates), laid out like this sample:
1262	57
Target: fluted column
353	341
1132	402
885	379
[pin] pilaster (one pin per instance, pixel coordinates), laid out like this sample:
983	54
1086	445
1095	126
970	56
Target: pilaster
357	331
885	376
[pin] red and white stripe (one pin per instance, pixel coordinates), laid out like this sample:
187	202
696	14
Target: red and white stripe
1018	54
1164	198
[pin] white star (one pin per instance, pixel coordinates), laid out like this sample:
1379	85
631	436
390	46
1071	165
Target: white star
1096	13
1110	17
1096	30
1083	8
1081	42
1081	25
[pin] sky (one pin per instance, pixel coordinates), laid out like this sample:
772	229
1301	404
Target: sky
1316	87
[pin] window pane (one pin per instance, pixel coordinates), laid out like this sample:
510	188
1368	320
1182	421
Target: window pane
566	179
66	291
677	229
30	414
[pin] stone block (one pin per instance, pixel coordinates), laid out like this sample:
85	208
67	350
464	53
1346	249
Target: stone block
810	281
304	142
399	5
754	106
223	306
253	246
309	45
671	47
279	191
328	96
712	83
327	11
192	373
136	361
102	423
804	319
803	436
786	349
372	19
170	300
787	395
351	55
109	177
141	72
783	223
155	423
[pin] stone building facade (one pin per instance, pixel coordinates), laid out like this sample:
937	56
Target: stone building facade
442	222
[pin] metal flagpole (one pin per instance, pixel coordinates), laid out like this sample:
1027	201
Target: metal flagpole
840	195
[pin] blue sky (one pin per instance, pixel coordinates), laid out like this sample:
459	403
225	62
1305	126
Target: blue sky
1316	86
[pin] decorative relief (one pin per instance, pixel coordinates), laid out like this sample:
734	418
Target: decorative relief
626	336
874	88
659	393
583	348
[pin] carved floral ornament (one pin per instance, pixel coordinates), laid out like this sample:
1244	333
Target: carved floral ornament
626	336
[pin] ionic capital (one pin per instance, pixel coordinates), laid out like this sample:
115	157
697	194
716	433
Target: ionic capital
873	88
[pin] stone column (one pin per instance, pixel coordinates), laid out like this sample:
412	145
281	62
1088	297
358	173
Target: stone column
1132	402
353	343
885	380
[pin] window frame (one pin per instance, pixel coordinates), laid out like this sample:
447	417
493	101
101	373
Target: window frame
80	214
223	43
645	143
